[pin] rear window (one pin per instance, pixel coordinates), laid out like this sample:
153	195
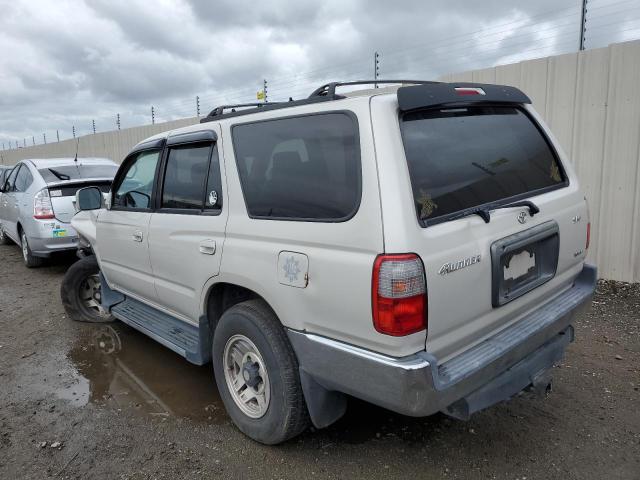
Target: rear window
300	168
77	172
467	157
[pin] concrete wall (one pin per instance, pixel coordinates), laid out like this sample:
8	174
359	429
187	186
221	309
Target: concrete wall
591	102
114	145
589	99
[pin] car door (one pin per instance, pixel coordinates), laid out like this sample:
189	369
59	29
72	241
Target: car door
187	229
9	214
122	229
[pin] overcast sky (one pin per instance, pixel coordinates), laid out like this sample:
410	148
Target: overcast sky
68	62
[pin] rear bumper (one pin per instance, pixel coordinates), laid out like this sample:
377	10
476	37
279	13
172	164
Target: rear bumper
50	236
418	385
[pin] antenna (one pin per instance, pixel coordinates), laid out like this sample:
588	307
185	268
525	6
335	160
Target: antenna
77	147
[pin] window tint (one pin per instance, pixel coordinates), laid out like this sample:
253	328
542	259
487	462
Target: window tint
300	168
137	186
77	172
185	177
23	179
466	157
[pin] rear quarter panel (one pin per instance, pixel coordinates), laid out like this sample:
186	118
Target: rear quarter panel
337	301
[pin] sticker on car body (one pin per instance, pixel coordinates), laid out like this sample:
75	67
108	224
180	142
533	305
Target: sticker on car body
59	232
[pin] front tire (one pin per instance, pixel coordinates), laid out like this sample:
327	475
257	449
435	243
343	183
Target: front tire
257	374
30	260
81	292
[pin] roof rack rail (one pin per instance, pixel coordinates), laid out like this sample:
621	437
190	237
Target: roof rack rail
329	90
216	112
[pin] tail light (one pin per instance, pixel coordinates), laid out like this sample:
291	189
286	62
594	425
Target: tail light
469	91
588	235
42	207
399	295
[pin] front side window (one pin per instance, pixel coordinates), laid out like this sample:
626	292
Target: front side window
300	168
11	179
186	176
136	187
460	158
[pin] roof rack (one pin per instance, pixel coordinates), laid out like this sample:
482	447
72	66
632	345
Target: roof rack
323	94
329	90
216	112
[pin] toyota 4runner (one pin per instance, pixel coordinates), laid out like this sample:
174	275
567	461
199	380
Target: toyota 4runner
420	246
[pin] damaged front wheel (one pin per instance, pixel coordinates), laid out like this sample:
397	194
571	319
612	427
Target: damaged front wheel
81	292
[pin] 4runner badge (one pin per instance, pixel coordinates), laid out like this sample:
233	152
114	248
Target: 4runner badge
453	266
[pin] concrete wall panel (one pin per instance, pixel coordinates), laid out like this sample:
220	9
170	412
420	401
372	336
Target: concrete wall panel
620	167
114	145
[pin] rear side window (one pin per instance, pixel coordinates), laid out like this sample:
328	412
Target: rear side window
24	179
300	168
466	157
188	172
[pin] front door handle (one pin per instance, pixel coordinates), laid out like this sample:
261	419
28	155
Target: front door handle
137	236
207	247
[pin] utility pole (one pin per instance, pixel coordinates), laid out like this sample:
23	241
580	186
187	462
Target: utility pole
376	66
73	130
58	135
583	24
16	144
153	115
118	121
93	124
33	139
24	142
264	89
44	137
198	105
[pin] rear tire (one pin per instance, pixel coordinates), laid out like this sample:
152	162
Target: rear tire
30	260
81	292
268	404
4	239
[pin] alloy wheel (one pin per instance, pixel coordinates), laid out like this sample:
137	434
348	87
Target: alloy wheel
246	376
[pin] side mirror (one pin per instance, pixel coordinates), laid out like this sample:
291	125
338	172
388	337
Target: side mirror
89	198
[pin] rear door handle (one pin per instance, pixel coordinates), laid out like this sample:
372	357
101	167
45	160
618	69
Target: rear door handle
207	247
137	236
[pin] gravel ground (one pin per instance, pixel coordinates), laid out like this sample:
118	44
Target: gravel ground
84	401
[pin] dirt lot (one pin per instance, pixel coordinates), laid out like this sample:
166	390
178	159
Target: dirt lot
125	407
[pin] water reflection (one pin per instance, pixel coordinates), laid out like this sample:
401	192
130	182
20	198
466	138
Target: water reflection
121	368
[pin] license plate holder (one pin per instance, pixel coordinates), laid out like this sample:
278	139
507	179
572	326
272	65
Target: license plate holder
523	261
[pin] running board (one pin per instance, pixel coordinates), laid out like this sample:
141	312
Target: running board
190	341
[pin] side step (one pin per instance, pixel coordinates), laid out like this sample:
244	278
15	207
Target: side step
188	340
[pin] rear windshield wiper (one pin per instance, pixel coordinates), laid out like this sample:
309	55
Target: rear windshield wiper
61	176
484	212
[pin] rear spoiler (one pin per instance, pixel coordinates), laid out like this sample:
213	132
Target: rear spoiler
78	181
443	94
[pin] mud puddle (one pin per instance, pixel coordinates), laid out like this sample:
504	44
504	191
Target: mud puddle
117	367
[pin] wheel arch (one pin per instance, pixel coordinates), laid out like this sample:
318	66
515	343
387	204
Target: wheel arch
223	295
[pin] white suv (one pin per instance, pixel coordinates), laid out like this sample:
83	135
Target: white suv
420	246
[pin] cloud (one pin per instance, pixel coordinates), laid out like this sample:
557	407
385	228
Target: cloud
68	62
